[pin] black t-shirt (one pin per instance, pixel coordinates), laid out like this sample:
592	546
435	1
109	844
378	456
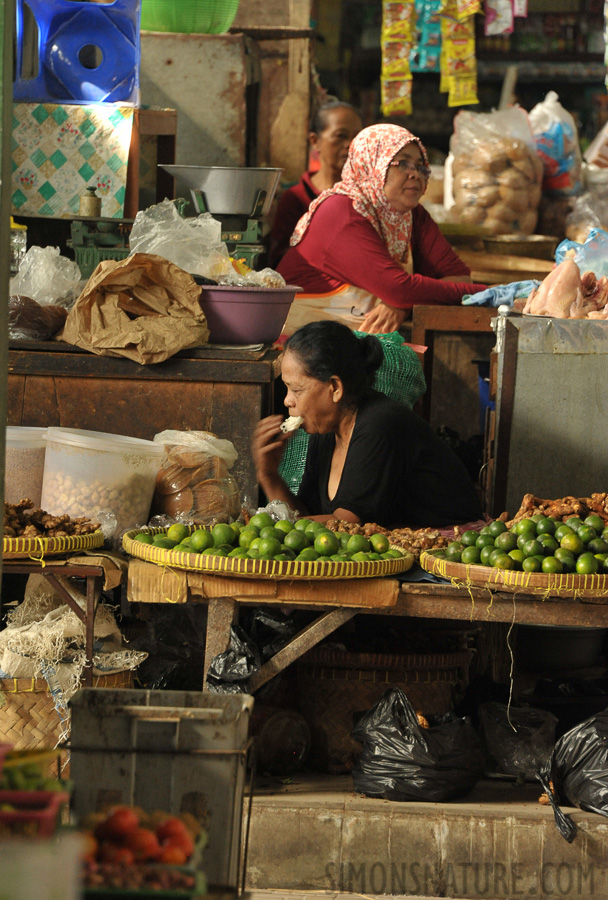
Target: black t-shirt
397	472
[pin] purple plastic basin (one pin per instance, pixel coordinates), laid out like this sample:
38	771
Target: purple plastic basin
246	315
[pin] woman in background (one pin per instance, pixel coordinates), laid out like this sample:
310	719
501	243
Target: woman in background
367	251
334	126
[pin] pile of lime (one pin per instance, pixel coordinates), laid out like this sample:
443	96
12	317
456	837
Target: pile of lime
263	538
537	544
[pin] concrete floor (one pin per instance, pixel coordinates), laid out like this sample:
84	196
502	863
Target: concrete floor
314	834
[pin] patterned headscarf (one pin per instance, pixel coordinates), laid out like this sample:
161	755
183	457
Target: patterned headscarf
363	178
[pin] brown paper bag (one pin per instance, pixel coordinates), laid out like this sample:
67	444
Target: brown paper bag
142	307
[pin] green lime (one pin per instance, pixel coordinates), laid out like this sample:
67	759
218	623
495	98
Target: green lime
326	543
453	551
525	526
371	556
496	527
595	521
295	540
552	566
587	564
562	530
361	556
471	556
308	554
495	554
506	541
357	543
182	548
546	525
566	557
269	531
255	544
531	564
284	525
605	566
485	554
288	553
177	532
269	546
522	539
223	534
247	536
485	529
532	548
573	543
469	538
605	534
503	561
549	543
260	520
517	556
253	554
143	538
283	557
586	534
484	540
597	545
200	540
163	542
238	552
394	553
574	522
536	518
302	524
379	542
313	528
601	557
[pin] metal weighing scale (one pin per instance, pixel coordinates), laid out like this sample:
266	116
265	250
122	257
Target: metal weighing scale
95	239
238	198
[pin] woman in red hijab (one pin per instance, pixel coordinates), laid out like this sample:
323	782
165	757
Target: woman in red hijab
366	251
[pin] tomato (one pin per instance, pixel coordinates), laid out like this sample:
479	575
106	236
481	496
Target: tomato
173	855
143	843
120	822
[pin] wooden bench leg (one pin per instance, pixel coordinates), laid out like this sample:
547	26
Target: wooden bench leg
220	617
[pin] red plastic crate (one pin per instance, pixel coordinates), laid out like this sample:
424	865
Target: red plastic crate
32	813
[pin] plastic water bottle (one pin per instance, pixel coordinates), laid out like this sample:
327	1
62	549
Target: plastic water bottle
18	245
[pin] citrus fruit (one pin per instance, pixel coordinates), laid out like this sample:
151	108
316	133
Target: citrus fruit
144	538
308	554
471	556
506	541
344	538
547	525
485	529
361	556
517	556
201	540
177	532
605	534
549	544
503	561
373	556
532	547
259	520
572	542
380	542
238	552
562	530
453	551
494	555
284	525
525	526
566	558
469	538
222	534
283	557
357	543
163	542
247	536
595	521
269	546
182	548
302	524
497	527
313	528
551	566
586	534
531	564
587	564
295	540
605	566
485	554
537	517
272	532
253	554
393	553
327	543
220	551
255	544
597	545
288	553
601	557
484	540
574	522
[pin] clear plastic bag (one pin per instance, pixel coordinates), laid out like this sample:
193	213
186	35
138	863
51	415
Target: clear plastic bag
194	244
557	145
47	277
590	210
29	320
496	171
193	484
519	740
591	256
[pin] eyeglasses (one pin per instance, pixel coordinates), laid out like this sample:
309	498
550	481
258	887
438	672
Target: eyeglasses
404	165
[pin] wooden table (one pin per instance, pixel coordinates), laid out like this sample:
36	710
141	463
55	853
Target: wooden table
498	268
338	601
427	321
204	389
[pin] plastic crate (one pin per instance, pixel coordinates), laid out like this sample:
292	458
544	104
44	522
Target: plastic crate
88	258
179	751
33	813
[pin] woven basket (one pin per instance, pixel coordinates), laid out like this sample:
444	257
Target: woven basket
336	687
28	718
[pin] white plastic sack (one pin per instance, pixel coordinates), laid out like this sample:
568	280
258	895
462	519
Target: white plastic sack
557	145
194	244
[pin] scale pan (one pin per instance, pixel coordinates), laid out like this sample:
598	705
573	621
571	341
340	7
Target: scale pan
230	190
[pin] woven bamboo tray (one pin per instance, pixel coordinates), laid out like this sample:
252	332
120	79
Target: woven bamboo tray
565	585
262	568
37	548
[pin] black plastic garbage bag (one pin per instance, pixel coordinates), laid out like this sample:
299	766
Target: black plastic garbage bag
519	739
230	671
401	760
578	769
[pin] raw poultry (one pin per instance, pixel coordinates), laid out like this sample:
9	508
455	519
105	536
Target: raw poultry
565	294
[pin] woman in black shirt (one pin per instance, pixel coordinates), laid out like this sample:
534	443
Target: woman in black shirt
370	458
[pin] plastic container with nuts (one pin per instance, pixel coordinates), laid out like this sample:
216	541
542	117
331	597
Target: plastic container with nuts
24	466
90	472
497	171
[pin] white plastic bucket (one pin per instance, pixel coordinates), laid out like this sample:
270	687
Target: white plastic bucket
88	473
24	464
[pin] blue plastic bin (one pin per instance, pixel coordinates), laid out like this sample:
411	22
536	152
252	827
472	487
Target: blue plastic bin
483	374
86	52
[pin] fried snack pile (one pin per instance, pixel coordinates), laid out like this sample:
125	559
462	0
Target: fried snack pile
18	522
413	541
560	509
